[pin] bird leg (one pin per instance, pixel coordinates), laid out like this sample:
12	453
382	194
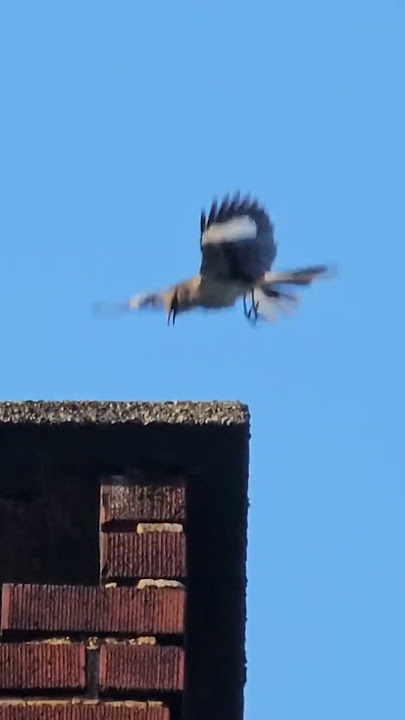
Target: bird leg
253	310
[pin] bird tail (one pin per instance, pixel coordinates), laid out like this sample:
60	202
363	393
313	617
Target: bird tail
270	295
304	276
268	301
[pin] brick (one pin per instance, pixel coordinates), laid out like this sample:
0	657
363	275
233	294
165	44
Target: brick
70	609
36	666
148	555
141	667
137	503
93	710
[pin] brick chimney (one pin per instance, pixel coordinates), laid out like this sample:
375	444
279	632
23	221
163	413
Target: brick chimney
122	560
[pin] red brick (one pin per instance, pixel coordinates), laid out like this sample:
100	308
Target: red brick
141	667
69	609
139	503
145	555
81	711
30	666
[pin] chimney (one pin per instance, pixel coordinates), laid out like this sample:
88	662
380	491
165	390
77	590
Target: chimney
123	560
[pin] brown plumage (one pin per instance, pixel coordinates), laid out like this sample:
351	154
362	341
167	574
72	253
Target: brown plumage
237	252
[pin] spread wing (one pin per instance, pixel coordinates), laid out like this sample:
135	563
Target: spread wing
237	240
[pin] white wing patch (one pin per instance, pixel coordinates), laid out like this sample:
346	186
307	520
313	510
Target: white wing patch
136	302
239	228
152	300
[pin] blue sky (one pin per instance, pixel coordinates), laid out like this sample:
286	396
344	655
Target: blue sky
118	121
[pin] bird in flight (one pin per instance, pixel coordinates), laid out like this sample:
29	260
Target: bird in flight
237	253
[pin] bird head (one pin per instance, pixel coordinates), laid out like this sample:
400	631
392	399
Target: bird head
181	297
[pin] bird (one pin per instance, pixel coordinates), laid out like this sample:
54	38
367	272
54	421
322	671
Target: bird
238	250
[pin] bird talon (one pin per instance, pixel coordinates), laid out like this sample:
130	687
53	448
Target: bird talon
251	314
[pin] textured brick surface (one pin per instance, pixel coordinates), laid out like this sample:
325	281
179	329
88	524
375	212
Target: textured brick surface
141	503
82	711
141	667
148	555
42	666
95	610
83	441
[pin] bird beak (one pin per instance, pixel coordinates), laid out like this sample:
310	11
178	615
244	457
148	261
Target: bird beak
172	310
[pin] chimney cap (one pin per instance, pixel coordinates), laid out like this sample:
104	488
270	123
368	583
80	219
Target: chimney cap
83	412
